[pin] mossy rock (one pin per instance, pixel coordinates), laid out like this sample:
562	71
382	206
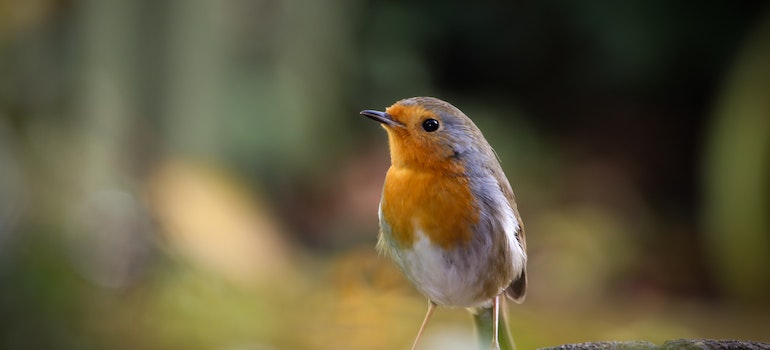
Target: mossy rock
709	344
679	344
607	345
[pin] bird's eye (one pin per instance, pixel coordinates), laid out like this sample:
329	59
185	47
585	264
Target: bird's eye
430	125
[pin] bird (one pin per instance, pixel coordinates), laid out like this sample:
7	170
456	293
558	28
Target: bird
448	217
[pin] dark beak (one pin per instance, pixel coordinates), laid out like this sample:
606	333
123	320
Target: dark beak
381	117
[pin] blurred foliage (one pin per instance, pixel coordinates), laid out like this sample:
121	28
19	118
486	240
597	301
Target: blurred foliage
179	174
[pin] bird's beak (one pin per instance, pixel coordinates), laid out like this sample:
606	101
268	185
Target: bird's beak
381	117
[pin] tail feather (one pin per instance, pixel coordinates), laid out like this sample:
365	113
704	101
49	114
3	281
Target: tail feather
518	288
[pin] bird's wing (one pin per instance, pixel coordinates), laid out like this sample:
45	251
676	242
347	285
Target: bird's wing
517	290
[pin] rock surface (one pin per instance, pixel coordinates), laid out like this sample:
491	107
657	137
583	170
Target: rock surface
679	344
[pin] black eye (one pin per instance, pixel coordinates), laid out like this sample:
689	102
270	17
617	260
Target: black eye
430	125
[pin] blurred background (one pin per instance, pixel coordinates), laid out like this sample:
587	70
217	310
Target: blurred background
195	174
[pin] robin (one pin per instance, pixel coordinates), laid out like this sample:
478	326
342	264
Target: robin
448	217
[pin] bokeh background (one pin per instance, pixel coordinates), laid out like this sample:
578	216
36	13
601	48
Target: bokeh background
195	174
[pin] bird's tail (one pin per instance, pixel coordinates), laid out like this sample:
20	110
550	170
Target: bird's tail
484	321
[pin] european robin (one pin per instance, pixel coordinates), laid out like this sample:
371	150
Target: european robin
448	217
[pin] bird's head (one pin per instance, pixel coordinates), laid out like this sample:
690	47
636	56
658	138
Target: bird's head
428	133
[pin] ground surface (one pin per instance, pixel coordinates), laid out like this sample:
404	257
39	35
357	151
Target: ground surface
685	344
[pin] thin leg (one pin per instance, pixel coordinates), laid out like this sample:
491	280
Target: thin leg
495	322
431	307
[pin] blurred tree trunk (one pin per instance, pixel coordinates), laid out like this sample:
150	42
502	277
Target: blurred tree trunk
737	168
194	60
104	221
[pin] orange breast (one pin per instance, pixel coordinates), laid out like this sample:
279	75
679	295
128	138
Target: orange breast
440	205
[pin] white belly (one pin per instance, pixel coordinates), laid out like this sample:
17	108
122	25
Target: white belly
433	272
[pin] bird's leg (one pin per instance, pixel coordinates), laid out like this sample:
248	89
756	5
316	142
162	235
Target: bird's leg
431	307
495	322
